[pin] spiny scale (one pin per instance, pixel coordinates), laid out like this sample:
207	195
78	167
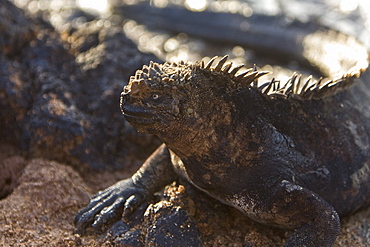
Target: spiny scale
209	64
310	89
180	73
245	75
245	78
220	64
227	67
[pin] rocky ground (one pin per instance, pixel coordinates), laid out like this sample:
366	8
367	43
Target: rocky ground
62	139
40	211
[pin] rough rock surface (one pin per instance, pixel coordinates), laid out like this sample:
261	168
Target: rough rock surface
40	212
59	90
41	208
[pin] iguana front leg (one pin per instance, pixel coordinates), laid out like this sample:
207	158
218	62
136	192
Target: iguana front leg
126	195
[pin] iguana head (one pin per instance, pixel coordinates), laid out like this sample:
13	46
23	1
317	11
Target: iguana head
176	98
152	99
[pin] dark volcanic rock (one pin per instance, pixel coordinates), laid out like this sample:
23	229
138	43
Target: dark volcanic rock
15	29
60	91
170	225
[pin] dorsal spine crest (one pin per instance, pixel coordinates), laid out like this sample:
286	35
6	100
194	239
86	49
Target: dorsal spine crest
181	73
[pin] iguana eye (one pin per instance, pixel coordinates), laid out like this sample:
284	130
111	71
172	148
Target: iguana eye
155	96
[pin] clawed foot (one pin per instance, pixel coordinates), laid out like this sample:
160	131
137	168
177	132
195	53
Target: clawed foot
109	205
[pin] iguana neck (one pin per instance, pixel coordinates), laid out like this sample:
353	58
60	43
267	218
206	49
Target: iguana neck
220	135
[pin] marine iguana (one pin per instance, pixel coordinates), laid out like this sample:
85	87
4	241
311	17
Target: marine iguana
294	155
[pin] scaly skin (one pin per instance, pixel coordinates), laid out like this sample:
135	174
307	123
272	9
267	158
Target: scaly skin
294	156
283	158
126	195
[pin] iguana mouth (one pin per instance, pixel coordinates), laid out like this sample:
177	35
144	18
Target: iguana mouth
136	114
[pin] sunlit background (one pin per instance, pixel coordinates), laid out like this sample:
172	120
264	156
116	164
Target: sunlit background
345	6
102	6
172	47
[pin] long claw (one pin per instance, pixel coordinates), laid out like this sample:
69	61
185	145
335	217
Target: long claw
109	214
94	201
131	203
86	216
